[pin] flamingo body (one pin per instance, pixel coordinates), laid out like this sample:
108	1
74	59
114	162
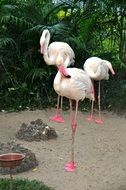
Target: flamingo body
53	50
74	84
98	70
77	87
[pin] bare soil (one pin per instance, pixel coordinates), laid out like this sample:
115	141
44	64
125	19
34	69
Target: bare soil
100	151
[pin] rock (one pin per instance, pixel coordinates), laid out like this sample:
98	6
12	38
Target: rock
35	131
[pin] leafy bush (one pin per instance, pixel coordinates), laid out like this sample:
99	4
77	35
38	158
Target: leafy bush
22	184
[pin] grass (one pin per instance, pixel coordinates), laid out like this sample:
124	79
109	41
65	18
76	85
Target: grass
22	184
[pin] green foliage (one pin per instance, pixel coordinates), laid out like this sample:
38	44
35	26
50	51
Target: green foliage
22	184
113	92
92	28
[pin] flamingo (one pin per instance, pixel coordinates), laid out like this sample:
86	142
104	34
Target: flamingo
75	84
97	69
51	52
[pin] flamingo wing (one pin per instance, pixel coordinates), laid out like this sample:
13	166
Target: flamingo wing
75	87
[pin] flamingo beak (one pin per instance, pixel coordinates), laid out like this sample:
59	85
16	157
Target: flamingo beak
63	72
112	71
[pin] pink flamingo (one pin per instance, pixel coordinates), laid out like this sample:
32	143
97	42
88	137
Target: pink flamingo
74	84
50	54
97	69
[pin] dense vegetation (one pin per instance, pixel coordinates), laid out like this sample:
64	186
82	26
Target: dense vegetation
92	28
20	184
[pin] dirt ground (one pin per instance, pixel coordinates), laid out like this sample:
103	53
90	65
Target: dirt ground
100	151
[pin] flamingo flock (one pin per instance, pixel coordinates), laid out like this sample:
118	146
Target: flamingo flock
73	83
51	53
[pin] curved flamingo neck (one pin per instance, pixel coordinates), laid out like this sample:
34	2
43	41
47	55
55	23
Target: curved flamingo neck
94	75
45	54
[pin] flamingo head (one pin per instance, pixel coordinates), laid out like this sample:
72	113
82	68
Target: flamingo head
110	67
42	42
44	37
92	93
62	69
112	71
92	97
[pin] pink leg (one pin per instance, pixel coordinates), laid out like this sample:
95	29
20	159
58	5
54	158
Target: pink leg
71	165
99	120
91	117
57	117
71	110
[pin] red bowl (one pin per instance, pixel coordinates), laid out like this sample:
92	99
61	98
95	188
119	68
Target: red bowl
11	159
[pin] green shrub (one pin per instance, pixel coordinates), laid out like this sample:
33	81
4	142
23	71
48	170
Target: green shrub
22	184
